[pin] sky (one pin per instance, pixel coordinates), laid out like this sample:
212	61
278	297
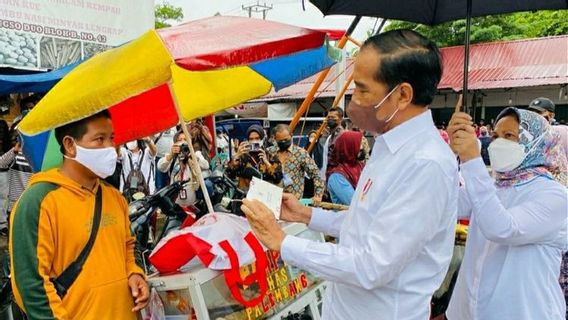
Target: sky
287	11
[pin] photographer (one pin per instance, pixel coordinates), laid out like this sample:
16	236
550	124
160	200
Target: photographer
176	163
201	136
251	161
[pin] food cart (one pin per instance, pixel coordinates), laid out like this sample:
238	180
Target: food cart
199	293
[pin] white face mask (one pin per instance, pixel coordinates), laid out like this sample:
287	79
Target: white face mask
132	145
505	155
101	162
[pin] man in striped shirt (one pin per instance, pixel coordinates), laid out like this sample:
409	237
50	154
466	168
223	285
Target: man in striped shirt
19	172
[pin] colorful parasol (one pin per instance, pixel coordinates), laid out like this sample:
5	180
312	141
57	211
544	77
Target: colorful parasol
179	73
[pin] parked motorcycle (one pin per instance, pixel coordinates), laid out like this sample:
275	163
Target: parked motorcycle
225	197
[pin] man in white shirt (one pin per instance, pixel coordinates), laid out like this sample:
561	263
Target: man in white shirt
164	142
397	238
334	120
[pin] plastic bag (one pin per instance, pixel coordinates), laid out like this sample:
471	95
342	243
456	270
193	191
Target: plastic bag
202	240
221	242
155	308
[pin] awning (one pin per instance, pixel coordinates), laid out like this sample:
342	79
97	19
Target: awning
37	82
508	64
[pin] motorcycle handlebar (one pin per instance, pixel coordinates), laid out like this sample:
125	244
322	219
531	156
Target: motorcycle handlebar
155	200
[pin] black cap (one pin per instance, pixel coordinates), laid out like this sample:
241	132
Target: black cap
542	104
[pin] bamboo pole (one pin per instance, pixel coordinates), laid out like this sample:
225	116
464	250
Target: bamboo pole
334	105
355	41
196	167
310	97
343	90
345	86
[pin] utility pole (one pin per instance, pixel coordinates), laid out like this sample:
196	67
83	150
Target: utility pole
256	8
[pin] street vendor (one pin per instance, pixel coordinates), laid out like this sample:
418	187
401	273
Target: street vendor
52	223
397	238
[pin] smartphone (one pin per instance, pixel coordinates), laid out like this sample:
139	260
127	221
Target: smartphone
255	147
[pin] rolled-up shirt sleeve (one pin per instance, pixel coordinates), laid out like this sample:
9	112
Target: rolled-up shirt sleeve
534	220
164	164
394	236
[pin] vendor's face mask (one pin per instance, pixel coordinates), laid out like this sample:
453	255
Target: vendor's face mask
101	161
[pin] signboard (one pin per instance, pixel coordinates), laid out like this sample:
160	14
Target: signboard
283	286
48	34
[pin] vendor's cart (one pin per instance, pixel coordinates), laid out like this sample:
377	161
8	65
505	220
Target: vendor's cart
202	294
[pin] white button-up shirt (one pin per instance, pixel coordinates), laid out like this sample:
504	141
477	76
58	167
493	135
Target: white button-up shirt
514	246
397	238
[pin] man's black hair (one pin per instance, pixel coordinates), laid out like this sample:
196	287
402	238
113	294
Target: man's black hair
339	111
407	56
77	129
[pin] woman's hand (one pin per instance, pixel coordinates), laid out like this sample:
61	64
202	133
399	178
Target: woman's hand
243	149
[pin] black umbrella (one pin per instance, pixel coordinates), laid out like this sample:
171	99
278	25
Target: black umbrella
434	12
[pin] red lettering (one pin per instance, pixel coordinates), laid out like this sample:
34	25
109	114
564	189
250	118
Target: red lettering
304	280
292	289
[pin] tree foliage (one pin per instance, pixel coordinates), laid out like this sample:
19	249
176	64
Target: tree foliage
166	14
514	26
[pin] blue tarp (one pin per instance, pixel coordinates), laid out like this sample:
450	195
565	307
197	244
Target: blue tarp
37	82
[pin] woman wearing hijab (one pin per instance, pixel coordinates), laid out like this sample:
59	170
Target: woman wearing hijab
342	179
517	230
251	160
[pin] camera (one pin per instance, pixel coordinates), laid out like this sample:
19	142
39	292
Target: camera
184	148
255	147
184	152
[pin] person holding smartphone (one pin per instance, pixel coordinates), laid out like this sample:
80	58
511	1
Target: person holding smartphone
251	160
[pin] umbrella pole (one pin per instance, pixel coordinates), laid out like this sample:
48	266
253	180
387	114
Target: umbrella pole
466	58
310	97
195	166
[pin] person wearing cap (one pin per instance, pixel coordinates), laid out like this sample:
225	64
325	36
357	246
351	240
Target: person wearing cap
546	108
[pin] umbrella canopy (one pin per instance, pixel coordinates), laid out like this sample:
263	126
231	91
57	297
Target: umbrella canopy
432	12
200	67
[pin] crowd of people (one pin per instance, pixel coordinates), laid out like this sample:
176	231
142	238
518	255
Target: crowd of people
405	195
